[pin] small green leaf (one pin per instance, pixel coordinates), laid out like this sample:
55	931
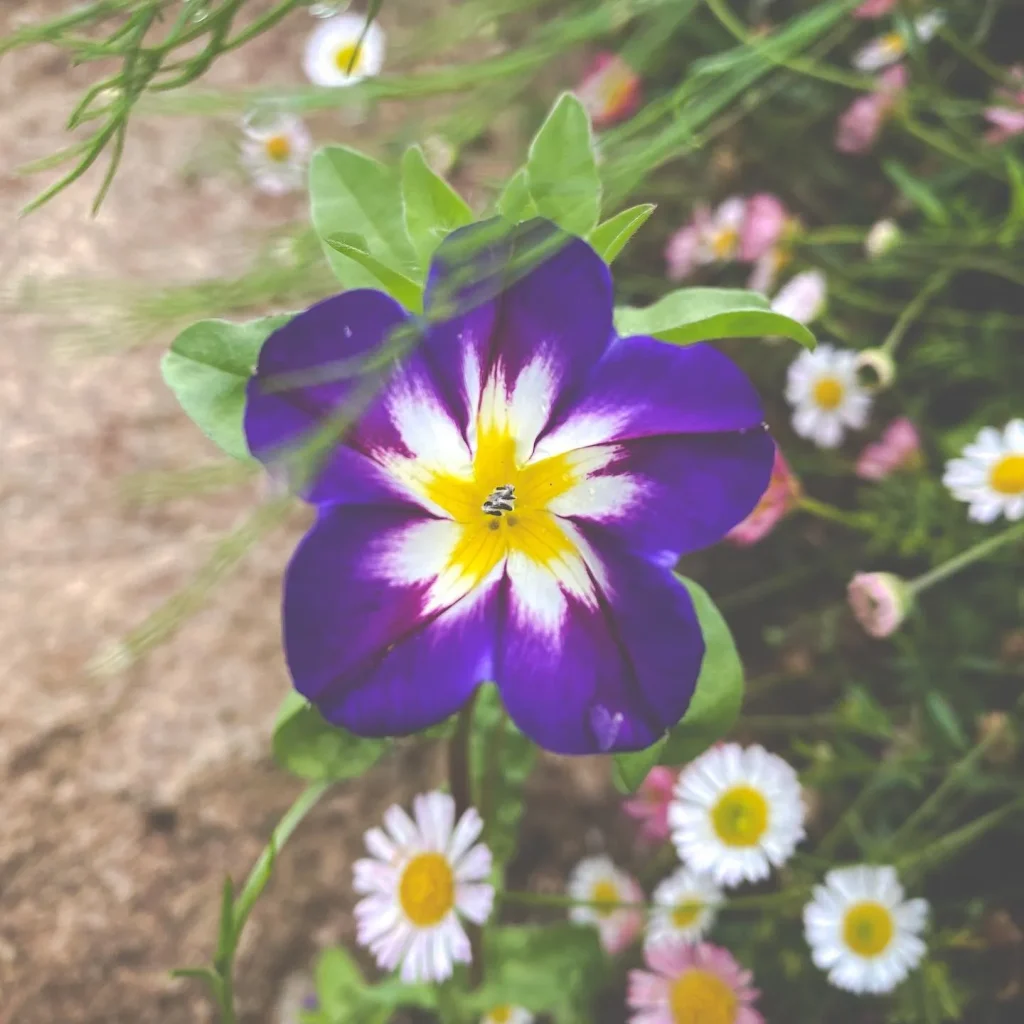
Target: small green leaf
226	925
946	720
401	288
433	209
307	746
207	368
339	983
610	238
715	705
502	759
702	314
515	203
561	169
351	193
392	993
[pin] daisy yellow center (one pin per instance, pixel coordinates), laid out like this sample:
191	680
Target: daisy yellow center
606	896
892	43
278	148
426	891
740	818
724	242
502	506
686	913
828	393
868	928
699	997
347	56
501	1014
1007	475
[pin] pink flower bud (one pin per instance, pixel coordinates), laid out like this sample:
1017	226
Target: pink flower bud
858	126
781	497
650	804
874	8
879	601
610	90
681	252
764	222
898	448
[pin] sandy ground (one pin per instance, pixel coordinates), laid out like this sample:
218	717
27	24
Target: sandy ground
127	798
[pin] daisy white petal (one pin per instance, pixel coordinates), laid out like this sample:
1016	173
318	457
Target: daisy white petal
507	1014
334	56
685	905
747	821
862	931
600	883
989	475
415	895
826	396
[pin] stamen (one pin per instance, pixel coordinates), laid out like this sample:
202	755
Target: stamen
501	500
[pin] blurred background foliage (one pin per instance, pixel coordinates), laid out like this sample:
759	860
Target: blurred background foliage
908	745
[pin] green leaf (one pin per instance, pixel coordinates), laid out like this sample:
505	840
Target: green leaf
561	168
392	993
207	368
307	746
433	209
515	203
610	238
401	288
340	984
552	969
715	705
502	759
702	314
351	193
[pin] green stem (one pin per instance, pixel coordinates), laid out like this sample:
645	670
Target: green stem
537	899
966	558
934	284
821	509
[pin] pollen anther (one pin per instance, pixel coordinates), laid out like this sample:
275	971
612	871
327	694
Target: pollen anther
501	500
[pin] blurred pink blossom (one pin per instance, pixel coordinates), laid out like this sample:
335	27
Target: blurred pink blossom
1006	115
898	448
710	237
764	221
803	297
874	8
781	497
650	804
860	123
610	90
879	601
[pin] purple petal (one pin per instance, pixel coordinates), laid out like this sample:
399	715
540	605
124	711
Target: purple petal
311	369
610	672
552	319
643	387
372	637
669	495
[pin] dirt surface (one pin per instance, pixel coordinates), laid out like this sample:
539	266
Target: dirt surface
127	798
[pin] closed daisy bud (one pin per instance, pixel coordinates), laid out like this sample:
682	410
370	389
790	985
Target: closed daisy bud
996	732
879	601
335	57
883	237
737	813
876	369
601	884
989	475
421	878
862	931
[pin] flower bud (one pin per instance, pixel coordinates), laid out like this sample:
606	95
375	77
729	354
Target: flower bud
882	238
996	732
875	369
879	601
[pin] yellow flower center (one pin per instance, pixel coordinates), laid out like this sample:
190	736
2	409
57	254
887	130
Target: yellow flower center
615	90
1008	475
349	55
828	393
278	148
606	894
699	997
868	928
501	1014
740	817
686	913
723	242
502	506
426	891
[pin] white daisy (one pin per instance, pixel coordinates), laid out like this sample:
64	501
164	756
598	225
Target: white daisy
420	878
826	395
736	812
990	474
275	153
598	881
685	905
887	49
508	1015
334	57
862	931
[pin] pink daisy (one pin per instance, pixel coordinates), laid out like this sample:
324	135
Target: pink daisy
650	804
899	447
781	497
690	984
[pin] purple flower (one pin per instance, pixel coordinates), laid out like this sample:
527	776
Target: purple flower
509	501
